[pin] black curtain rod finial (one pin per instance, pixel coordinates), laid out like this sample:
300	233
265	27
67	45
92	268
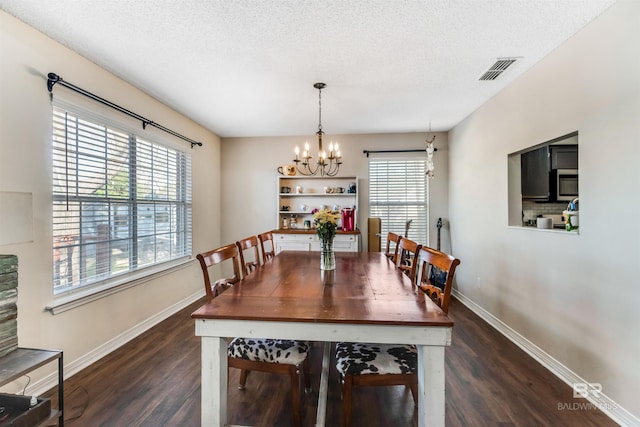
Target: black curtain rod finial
53	78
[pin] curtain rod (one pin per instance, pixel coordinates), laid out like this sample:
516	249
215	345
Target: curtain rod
367	152
54	78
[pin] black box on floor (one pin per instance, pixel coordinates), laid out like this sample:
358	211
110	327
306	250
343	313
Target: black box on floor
16	411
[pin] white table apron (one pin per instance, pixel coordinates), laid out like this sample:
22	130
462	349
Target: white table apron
430	340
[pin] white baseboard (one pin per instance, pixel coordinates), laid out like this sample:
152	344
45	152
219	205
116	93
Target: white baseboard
602	402
48	382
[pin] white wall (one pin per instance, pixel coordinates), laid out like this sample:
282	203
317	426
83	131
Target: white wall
249	177
25	166
575	296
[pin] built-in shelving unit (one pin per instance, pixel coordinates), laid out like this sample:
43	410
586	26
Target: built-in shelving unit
298	196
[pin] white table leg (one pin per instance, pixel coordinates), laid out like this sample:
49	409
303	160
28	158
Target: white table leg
431	393
214	379
323	392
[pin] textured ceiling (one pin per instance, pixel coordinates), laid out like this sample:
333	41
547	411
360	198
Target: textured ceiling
247	67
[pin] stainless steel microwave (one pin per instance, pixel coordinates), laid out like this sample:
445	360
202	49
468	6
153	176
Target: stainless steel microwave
566	184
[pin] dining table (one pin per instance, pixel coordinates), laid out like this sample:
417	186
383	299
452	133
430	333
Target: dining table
365	299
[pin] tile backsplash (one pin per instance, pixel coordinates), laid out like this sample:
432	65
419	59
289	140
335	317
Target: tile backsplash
531	210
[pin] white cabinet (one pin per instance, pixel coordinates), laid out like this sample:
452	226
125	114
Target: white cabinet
307	240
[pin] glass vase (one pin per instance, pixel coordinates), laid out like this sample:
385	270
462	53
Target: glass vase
327	256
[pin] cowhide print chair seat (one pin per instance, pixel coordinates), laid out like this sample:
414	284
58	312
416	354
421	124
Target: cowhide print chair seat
288	357
364	364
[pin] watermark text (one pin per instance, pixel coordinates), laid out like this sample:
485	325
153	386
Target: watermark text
586	391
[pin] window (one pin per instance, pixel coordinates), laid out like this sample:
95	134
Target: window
398	192
121	203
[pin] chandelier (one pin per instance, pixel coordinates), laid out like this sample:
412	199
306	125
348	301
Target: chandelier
327	164
430	149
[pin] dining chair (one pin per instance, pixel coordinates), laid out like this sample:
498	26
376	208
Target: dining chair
248	244
278	356
267	254
434	275
392	238
364	364
217	256
405	257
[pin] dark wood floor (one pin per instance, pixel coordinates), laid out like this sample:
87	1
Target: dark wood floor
154	381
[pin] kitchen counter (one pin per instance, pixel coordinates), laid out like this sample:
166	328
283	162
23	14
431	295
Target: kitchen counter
555	226
556	230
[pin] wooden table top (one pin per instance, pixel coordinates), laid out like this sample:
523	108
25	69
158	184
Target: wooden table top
365	288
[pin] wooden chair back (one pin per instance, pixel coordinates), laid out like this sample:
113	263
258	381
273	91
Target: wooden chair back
248	244
214	257
435	272
267	254
405	258
395	239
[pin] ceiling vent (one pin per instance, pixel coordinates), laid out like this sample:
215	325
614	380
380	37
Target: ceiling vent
498	68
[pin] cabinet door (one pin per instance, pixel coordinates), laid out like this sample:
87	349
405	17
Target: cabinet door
345	243
292	242
292	245
535	168
341	243
564	157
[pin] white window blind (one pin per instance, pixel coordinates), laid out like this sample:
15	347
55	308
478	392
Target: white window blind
398	192
120	203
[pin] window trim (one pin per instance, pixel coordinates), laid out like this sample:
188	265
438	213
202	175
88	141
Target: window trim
67	299
86	294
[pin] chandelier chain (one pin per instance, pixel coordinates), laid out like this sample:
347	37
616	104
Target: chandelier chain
320	109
